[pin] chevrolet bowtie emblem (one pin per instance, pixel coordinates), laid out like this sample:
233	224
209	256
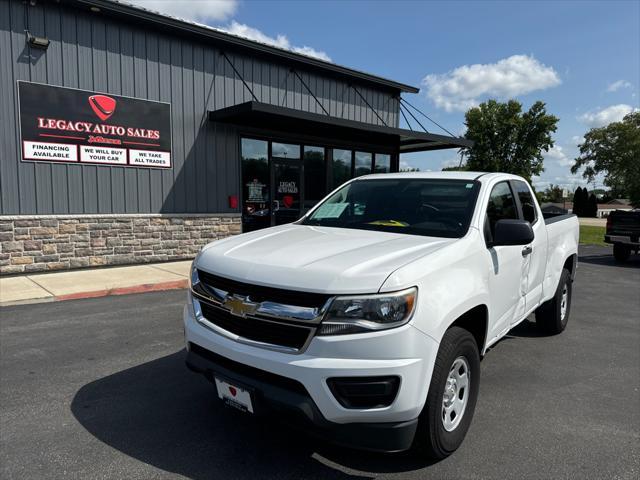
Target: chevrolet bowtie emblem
239	306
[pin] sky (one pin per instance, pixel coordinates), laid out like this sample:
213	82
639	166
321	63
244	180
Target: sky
582	58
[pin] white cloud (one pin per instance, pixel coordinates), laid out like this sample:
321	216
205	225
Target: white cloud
280	41
615	86
404	165
212	11
449	162
557	154
462	88
577	140
198	10
600	118
570	182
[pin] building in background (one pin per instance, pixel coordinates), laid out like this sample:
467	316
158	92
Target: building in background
604	209
130	136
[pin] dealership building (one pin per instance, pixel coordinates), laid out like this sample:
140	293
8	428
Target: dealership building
130	136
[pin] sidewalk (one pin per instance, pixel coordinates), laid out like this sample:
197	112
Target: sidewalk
593	222
99	282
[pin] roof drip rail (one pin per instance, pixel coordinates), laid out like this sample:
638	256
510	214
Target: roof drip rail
239	76
427	117
310	92
368	105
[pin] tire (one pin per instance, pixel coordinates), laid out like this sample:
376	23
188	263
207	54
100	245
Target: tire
553	315
621	252
433	438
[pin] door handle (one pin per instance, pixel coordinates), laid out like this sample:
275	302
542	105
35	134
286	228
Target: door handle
276	205
527	250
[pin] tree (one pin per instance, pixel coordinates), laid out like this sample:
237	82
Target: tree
578	202
592	206
584	202
614	150
508	140
553	193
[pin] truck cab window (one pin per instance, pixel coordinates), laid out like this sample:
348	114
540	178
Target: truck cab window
501	206
526	201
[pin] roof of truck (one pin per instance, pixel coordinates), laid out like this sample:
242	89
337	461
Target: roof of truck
456	175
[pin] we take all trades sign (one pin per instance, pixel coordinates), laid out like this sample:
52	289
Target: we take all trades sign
78	126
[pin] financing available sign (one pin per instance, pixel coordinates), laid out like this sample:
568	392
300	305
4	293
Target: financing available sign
77	126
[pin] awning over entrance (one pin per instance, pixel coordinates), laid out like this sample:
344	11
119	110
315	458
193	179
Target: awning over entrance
273	117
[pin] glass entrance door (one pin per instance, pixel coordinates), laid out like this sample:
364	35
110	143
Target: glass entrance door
286	194
283	181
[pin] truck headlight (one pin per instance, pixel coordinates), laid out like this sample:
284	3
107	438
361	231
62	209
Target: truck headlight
193	277
366	313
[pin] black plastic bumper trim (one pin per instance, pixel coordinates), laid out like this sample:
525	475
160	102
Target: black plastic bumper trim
296	407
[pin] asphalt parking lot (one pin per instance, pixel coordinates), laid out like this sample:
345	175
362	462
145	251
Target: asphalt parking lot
98	389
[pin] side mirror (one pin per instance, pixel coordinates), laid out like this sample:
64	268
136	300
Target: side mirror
512	232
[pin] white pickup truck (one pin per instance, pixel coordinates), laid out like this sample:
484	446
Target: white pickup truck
365	320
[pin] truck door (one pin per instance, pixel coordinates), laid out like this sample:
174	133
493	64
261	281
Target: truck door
534	254
506	264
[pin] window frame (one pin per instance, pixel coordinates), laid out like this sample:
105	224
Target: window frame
486	228
519	203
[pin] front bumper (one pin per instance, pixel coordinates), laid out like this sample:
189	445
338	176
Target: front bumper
405	352
289	401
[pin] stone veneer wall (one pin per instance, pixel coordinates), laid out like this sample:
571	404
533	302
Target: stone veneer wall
37	243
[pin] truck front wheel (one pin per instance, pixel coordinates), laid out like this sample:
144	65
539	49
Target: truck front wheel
453	392
553	315
621	252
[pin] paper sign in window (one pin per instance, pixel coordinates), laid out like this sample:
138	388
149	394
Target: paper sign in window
330	210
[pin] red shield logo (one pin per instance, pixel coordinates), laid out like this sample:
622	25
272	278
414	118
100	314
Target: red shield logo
233	391
102	106
287	200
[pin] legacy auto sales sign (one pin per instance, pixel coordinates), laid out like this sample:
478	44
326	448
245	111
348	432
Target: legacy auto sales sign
77	126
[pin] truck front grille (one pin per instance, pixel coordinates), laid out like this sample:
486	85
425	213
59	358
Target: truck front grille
259	293
257	329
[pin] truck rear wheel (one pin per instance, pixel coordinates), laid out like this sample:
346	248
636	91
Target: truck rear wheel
621	252
453	392
553	315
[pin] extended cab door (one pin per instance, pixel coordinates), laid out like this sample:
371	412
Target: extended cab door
536	258
506	264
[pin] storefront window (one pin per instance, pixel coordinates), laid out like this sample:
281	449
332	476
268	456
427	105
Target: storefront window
282	181
362	164
255	184
341	167
285	150
383	163
315	183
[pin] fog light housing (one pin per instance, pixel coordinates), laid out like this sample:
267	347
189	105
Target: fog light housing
364	392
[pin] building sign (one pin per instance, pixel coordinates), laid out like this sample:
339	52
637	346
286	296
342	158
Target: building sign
77	126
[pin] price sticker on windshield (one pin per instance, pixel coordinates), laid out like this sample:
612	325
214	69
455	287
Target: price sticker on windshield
330	210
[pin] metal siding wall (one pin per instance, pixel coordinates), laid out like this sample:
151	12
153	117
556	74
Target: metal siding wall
9	191
93	52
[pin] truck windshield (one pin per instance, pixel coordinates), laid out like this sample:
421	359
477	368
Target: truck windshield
430	207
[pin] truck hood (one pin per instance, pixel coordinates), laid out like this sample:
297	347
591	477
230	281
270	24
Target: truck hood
316	259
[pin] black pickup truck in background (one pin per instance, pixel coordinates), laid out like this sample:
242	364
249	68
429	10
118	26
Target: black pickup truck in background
623	232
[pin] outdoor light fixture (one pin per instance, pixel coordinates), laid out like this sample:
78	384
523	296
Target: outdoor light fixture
38	42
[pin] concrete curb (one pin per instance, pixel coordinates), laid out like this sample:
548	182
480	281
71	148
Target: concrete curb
143	288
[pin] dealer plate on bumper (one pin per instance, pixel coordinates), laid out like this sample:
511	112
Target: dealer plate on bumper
234	396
